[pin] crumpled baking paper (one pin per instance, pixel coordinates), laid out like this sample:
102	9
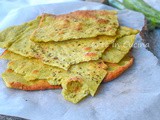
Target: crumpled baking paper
135	95
8	5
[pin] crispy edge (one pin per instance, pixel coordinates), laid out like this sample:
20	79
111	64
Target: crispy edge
112	75
82	13
5	52
40	85
90	13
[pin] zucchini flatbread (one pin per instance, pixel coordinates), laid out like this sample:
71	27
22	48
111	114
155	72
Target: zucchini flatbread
76	52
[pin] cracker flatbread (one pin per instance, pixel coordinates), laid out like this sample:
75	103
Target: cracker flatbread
81	24
119	49
59	54
75	88
90	74
116	69
16	81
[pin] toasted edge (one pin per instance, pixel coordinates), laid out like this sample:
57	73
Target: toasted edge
42	84
5	52
114	74
39	85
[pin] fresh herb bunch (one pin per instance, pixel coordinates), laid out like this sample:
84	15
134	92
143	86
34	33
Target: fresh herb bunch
152	15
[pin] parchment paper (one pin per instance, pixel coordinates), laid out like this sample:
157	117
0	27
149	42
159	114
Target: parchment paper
133	96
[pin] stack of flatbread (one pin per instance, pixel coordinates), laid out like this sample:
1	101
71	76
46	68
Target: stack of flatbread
75	51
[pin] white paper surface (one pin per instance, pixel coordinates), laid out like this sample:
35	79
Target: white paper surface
7	5
133	96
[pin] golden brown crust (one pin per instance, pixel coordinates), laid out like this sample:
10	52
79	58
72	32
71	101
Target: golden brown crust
86	14
5	52
81	14
77	22
43	84
90	54
90	13
114	74
40	85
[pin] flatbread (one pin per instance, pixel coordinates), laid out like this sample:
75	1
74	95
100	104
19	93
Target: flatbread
125	39
9	35
81	24
78	87
116	69
59	54
90	73
119	49
16	81
17	33
33	69
75	90
75	86
126	31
